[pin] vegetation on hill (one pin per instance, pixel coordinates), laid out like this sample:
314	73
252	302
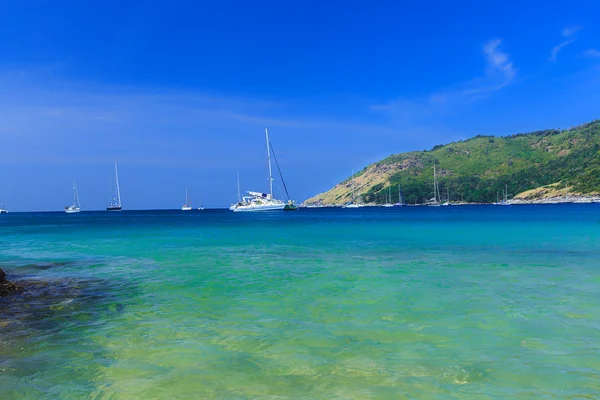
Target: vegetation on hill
477	169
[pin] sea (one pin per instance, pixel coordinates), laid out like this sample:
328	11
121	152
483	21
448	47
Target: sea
459	302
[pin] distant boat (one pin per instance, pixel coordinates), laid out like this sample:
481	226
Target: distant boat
187	206
115	192
504	201
388	199
447	202
352	204
2	209
76	207
257	201
201	207
435	201
400	202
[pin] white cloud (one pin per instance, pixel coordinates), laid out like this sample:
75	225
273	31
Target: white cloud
569	33
592	53
499	73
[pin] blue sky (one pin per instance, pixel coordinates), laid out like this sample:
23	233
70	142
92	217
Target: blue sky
179	92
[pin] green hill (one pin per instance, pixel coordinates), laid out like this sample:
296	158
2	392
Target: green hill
475	170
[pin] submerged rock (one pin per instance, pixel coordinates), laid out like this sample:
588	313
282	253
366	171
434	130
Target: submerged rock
7	287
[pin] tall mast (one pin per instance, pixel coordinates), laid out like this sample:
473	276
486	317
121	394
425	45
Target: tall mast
186	198
238	187
353	186
269	158
74	195
435	193
118	189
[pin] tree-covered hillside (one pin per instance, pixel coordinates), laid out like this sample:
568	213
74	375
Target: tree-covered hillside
475	170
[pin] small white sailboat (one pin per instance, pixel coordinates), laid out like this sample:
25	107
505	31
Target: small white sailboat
435	201
388	199
76	207
352	204
115	192
400	202
187	206
504	201
447	202
2	209
257	201
201	206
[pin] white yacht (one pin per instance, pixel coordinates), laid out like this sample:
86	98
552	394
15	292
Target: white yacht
187	206
257	201
76	207
115	192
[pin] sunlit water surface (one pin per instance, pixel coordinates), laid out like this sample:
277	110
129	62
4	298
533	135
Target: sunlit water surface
474	302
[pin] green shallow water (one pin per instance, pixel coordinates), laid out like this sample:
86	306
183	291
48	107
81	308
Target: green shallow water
427	303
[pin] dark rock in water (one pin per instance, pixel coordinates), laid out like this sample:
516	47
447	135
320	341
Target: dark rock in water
7	287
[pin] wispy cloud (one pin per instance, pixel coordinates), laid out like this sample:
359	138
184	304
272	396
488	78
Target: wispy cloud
499	73
592	53
569	33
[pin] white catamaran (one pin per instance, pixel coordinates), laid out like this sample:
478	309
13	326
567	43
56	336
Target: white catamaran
76	207
115	192
257	201
187	206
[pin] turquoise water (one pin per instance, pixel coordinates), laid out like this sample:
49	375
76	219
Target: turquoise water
465	302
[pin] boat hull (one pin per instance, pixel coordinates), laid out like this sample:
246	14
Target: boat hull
186	208
261	207
72	210
3	211
113	208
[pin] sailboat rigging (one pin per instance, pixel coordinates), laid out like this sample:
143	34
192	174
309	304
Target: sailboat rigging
352	204
76	207
115	192
435	201
2	209
257	201
187	206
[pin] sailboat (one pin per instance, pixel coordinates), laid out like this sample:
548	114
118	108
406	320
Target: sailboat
447	202
435	201
2	209
388	199
504	201
352	204
187	206
400	202
76	207
257	201
115	192
201	206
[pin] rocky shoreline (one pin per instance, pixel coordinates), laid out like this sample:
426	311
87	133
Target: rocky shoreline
7	287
